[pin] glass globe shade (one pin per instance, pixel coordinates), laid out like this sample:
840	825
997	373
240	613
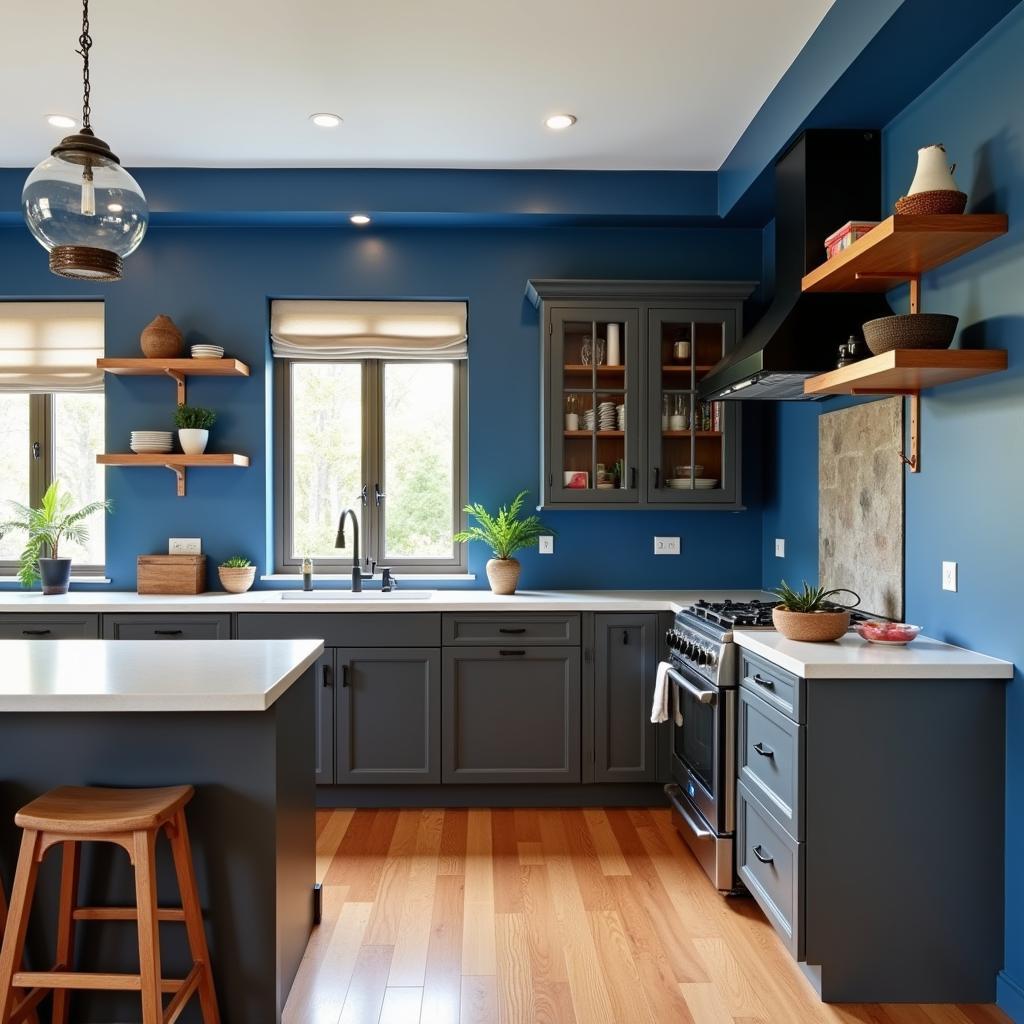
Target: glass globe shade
74	200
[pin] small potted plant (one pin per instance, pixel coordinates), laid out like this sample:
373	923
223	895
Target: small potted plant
505	534
47	527
237	574
193	425
808	614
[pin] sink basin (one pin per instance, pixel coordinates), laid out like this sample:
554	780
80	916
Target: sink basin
363	595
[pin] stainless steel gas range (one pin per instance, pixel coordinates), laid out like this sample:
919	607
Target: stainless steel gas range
703	671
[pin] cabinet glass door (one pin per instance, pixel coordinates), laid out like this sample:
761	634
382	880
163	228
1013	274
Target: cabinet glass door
593	415
692	445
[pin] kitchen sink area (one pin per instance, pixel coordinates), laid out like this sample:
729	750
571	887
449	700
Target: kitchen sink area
355	596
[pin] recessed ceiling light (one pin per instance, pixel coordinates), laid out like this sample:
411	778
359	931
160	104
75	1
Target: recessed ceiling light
61	121
325	120
360	219
558	122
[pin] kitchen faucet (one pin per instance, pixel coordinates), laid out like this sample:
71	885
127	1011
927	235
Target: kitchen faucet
357	570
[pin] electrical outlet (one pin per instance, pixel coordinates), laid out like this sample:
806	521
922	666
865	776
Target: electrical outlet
546	545
949	576
185	546
666	545
780	547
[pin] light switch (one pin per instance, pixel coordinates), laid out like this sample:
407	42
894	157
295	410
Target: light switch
546	545
666	545
949	576
185	546
780	547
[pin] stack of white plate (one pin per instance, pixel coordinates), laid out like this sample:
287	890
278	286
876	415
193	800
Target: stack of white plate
588	419
152	442
207	351
620	416
606	418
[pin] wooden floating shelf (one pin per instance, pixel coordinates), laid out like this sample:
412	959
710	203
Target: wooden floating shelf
907	371
176	369
902	248
176	462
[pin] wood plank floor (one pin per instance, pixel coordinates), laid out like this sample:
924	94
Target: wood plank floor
546	917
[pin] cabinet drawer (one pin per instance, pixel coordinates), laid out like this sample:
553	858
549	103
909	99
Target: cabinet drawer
473	630
345	629
780	688
771	748
167	627
770	863
49	627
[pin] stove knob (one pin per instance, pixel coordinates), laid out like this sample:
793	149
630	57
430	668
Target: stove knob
670	638
691	649
702	655
712	659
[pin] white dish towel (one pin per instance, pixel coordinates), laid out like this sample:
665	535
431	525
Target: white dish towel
664	690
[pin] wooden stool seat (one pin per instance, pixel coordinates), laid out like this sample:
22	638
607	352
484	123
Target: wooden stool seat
92	810
132	819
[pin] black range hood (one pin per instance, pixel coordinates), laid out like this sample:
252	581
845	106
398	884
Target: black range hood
826	178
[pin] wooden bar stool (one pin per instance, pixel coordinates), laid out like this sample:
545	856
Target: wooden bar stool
132	819
24	1008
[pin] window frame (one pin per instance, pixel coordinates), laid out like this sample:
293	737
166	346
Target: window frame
371	516
41	424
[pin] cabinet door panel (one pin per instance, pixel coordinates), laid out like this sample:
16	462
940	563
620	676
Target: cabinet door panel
511	714
625	741
49	627
324	681
388	715
167	627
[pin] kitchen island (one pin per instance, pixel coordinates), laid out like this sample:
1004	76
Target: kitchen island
234	720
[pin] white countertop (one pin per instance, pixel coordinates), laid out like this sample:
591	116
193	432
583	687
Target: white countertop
439	601
854	658
138	675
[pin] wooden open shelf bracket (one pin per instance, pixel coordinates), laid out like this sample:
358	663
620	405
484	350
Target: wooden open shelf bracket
179	378
179	472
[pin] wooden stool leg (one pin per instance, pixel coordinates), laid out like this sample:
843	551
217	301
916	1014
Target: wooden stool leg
66	925
182	850
17	920
149	933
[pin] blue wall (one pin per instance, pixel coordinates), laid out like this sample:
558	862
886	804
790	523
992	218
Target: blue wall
965	504
215	282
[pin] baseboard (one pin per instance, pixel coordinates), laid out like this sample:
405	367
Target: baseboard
556	795
1010	997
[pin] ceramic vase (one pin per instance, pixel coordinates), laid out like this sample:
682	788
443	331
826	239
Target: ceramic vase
192	440
161	339
503	575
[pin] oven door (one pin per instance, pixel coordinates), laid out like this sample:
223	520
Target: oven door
704	746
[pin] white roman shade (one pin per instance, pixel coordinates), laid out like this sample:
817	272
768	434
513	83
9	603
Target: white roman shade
51	346
332	329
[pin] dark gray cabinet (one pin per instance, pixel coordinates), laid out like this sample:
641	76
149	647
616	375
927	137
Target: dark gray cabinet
623	424
324	678
49	627
511	714
167	627
388	715
626	657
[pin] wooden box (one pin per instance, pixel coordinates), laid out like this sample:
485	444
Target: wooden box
171	574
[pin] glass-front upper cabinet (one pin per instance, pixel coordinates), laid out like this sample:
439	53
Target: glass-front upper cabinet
593	416
692	445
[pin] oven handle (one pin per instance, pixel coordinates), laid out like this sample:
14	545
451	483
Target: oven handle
702	696
698	830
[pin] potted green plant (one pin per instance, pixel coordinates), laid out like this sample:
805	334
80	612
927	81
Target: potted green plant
193	425
802	615
237	574
54	522
505	534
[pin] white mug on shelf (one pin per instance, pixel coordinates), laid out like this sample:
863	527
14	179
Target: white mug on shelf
612	336
572	421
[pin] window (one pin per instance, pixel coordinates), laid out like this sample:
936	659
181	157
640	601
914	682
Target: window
51	415
370	415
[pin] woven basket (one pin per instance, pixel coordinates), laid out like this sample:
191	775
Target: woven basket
236	580
813	627
912	330
503	575
926	203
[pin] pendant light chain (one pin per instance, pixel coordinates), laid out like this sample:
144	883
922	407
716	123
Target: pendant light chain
85	42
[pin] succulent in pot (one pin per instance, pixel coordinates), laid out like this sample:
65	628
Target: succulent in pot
193	425
809	614
47	527
504	533
237	574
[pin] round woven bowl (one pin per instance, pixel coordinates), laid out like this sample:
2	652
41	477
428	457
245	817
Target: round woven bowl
939	201
503	575
236	580
813	627
911	330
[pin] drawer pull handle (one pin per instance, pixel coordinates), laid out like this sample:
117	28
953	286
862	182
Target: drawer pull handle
344	676
167	632
764	751
514	631
327	675
506	654
763	857
35	632
761	681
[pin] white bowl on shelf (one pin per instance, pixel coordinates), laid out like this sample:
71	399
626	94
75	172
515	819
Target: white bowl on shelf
207	352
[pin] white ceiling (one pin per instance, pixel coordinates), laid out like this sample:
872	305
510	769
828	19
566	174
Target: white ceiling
656	84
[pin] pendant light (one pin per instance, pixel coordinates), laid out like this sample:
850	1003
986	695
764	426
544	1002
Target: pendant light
80	204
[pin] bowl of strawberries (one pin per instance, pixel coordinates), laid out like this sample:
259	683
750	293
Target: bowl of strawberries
895	634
